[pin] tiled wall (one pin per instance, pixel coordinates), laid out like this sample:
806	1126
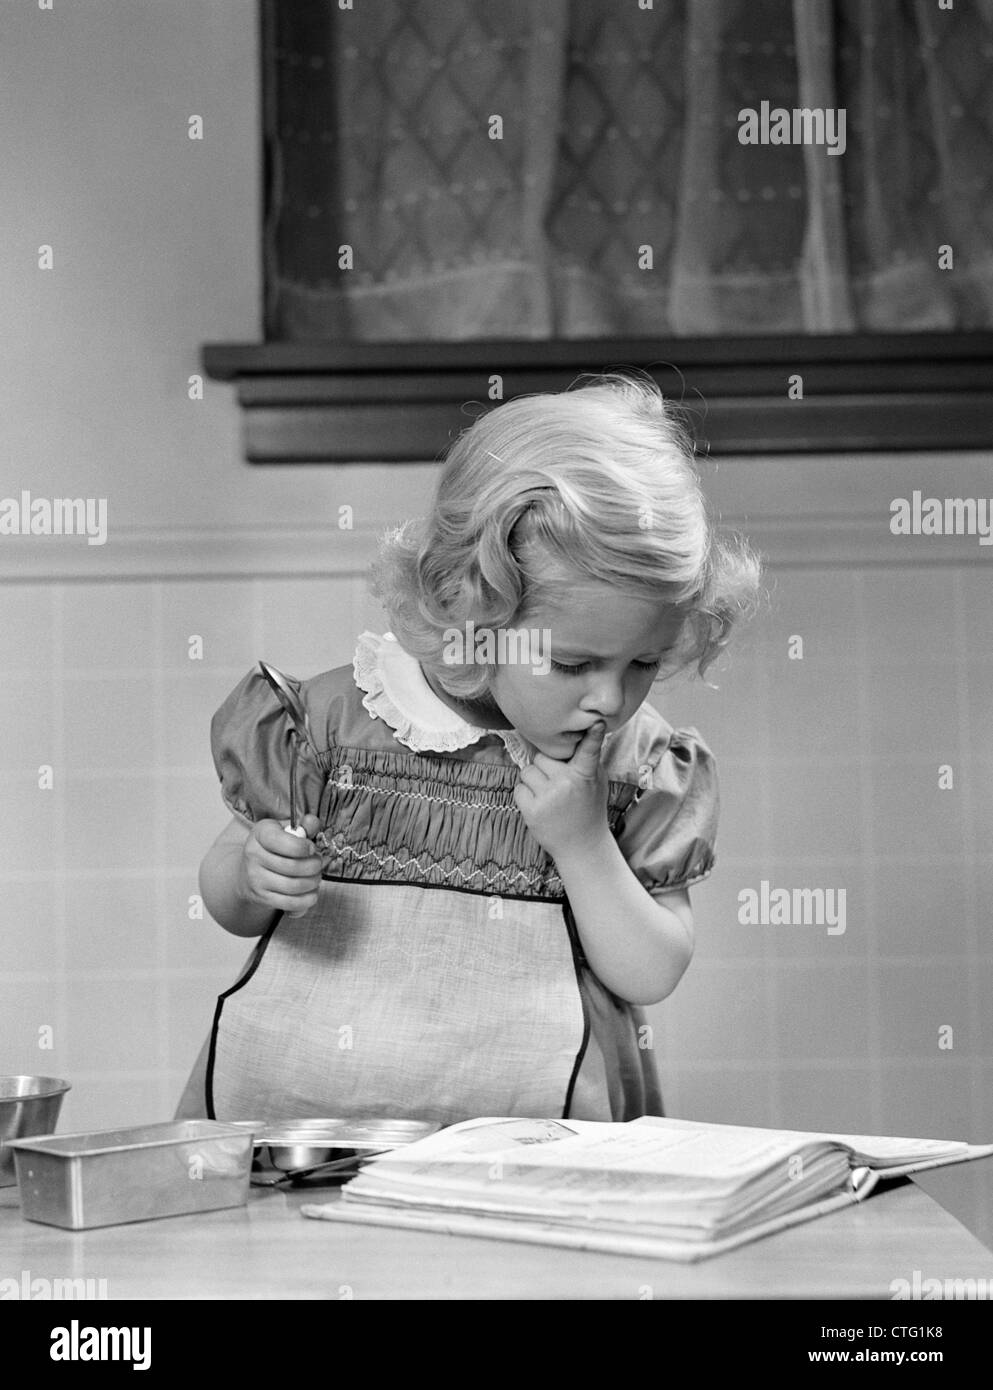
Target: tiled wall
830	778
829	769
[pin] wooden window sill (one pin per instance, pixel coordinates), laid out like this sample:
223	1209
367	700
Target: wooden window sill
326	402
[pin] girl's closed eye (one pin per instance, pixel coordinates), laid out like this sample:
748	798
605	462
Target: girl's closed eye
585	666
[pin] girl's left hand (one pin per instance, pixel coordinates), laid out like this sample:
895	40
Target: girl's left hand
564	803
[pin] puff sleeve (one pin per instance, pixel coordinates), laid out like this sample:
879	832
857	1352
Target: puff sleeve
670	828
251	740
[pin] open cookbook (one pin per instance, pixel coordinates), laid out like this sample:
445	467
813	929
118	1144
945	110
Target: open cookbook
673	1189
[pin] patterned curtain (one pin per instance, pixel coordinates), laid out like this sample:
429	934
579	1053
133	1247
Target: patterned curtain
575	168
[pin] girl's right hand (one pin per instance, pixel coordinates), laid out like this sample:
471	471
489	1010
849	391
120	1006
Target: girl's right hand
280	870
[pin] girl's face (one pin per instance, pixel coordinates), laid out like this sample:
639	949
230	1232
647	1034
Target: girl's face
606	650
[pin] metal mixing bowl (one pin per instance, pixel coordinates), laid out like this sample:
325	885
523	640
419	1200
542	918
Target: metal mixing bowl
29	1106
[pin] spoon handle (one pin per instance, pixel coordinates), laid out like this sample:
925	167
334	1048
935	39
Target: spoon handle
294	827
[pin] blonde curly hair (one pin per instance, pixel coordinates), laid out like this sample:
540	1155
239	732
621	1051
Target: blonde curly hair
596	483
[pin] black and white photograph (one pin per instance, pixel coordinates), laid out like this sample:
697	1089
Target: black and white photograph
496	663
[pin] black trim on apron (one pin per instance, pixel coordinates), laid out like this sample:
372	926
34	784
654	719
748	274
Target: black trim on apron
578	962
242	979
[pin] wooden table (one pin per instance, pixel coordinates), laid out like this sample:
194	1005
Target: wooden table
268	1250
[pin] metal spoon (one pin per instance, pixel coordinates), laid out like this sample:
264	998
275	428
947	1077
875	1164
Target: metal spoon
294	707
290	701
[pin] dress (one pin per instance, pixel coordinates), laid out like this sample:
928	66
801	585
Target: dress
440	975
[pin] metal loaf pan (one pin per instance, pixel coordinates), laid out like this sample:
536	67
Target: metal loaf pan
119	1175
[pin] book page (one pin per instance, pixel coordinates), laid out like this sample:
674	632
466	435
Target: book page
872	1150
884	1152
678	1161
486	1135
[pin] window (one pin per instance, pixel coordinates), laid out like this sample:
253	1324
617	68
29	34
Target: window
783	212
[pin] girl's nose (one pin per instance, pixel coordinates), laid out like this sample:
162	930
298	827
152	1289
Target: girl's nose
605	698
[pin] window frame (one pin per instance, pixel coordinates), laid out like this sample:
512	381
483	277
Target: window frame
402	402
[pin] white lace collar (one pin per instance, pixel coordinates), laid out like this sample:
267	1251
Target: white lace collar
398	693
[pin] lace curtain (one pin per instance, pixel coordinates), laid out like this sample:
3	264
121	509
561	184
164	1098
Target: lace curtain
573	168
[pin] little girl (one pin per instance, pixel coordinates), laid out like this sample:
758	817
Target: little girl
501	832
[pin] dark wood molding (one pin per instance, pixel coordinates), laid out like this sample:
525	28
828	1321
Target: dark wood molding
328	402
